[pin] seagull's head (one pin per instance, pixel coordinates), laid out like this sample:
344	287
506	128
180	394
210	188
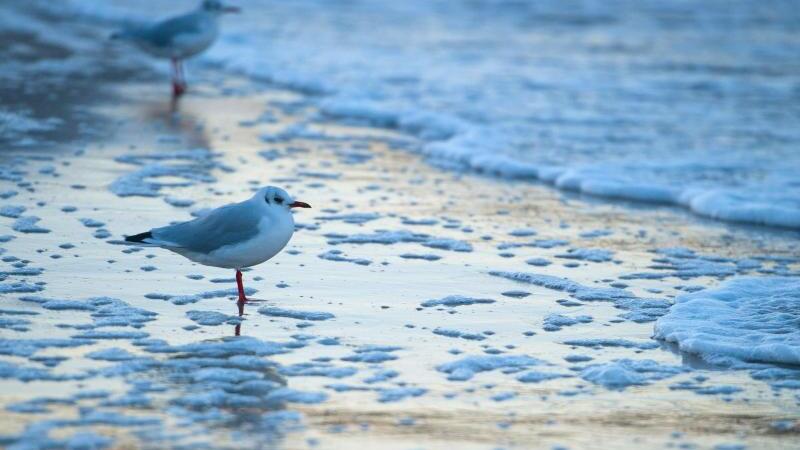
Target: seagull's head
217	7
275	197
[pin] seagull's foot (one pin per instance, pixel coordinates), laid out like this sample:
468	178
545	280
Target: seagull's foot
179	89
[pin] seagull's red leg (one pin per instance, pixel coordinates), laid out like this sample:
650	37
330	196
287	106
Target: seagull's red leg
178	86
240	285
174	73
182	75
237	330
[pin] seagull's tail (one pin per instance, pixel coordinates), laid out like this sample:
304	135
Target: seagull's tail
140	238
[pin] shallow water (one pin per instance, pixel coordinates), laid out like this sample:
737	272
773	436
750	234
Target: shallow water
385	371
686	103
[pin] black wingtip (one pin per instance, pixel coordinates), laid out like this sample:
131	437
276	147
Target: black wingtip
139	237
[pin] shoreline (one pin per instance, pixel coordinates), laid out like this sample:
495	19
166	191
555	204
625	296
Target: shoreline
716	205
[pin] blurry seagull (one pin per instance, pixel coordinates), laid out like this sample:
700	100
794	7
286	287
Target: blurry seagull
180	37
233	236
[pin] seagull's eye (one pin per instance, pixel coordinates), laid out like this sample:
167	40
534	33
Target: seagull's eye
279	200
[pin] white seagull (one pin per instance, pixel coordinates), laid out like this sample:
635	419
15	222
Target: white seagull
233	236
178	38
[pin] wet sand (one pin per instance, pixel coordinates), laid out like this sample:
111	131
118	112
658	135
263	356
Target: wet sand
350	169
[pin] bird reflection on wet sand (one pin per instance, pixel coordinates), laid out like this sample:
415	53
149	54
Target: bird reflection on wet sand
237	330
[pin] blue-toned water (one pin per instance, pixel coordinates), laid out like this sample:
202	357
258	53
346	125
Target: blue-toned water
695	104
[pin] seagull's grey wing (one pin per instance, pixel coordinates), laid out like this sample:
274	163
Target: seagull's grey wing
227	225
162	34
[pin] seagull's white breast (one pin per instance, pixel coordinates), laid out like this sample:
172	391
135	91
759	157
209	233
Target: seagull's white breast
186	45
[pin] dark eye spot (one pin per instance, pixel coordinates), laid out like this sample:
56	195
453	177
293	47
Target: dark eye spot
279	200
266	199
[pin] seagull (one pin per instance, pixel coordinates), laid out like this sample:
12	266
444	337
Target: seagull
233	236
179	38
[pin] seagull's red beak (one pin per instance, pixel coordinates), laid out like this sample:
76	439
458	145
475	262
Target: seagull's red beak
299	205
231	9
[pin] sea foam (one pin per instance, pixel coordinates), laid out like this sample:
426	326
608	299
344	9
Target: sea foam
746	319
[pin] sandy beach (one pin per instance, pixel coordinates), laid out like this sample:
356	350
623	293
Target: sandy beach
415	307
